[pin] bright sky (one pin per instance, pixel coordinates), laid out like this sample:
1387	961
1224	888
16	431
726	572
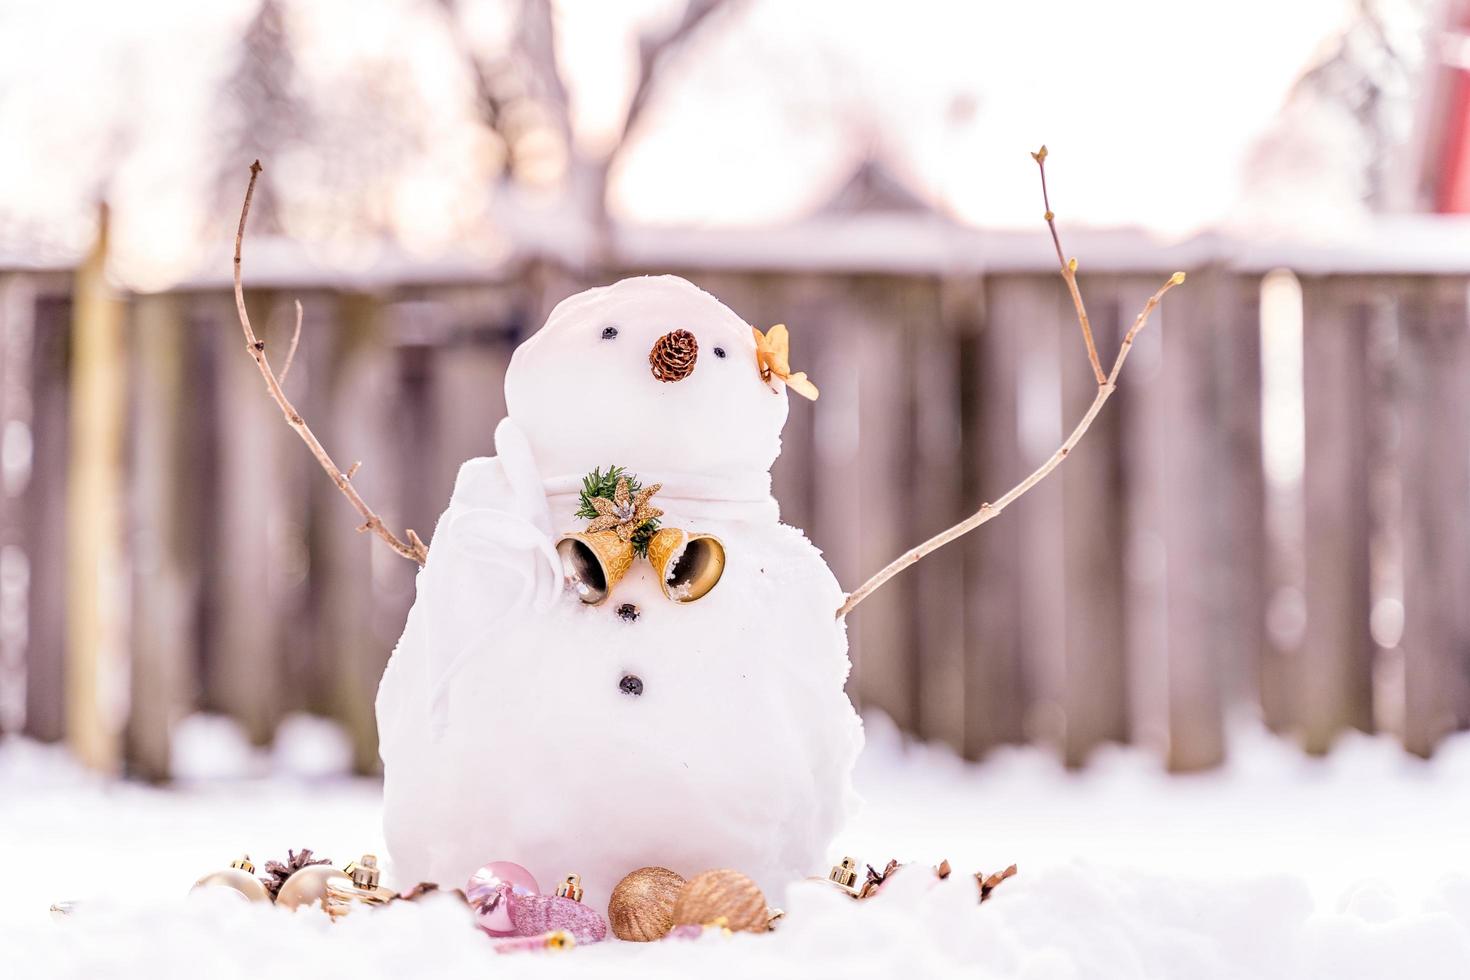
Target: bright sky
1149	106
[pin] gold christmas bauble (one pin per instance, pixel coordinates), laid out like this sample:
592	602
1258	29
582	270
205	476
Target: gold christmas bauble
722	894
308	886
642	905
239	877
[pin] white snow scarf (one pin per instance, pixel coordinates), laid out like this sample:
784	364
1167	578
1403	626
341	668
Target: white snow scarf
487	563
690	497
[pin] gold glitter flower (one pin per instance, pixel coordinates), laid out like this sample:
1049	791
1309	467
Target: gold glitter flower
626	512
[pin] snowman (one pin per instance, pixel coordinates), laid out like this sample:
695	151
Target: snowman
579	713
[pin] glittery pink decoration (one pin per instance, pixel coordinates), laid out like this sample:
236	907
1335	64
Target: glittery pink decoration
525	944
490	891
536	915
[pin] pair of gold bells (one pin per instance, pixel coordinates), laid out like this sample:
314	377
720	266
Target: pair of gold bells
688	564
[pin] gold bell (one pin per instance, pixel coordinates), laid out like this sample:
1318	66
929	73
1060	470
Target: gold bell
594	563
688	565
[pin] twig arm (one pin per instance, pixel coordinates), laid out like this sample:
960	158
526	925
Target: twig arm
989	511
1106	385
291	351
415	548
1069	271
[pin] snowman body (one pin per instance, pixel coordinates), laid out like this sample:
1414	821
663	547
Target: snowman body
519	723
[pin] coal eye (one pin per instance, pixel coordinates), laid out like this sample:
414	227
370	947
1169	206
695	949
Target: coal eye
608	333
630	684
719	352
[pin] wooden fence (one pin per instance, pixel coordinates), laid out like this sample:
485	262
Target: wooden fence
1154	586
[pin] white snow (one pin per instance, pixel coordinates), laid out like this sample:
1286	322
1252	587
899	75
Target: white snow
1278	866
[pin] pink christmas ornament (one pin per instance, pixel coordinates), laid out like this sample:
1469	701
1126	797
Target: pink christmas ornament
526	944
536	915
491	890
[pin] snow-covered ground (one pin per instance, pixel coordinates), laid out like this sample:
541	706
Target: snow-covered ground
1276	867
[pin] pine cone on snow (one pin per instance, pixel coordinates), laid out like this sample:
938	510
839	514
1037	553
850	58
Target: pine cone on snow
276	872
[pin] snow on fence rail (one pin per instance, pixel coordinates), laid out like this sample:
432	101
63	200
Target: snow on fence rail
1158	582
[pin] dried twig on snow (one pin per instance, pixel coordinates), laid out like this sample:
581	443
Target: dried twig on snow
414	548
988	883
1106	385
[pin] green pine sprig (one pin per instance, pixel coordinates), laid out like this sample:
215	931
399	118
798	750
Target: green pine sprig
605	485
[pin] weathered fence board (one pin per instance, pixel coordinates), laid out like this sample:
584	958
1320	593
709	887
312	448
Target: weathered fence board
1242	546
1434	400
96	604
245	628
17	335
938	501
995	681
1143	410
1334	685
1096	694
363	590
1036	309
45	520
886	662
1195	535
163	518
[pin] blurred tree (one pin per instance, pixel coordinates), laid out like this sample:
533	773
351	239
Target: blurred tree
522	98
261	118
519	93
1338	143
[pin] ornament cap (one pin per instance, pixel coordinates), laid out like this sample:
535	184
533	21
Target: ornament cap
244	864
570	888
365	872
844	874
362	888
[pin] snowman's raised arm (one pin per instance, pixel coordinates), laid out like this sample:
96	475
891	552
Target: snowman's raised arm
492	555
1107	383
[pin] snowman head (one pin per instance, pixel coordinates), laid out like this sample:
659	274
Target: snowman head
652	373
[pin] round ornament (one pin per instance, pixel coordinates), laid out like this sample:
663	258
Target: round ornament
355	887
722	894
537	915
642	905
238	877
308	886
490	891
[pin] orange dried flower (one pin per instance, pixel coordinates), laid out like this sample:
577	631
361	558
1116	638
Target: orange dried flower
772	352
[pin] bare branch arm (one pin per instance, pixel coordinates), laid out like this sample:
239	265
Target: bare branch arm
415	548
1107	384
1069	271
291	351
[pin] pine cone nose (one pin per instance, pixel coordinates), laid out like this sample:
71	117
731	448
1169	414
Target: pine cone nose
673	355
